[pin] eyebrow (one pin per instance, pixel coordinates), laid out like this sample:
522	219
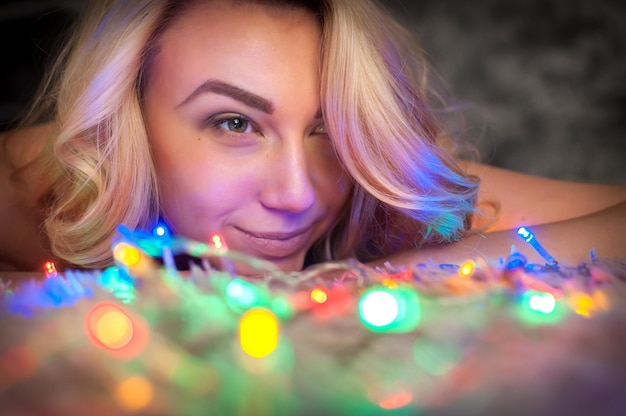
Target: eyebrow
223	88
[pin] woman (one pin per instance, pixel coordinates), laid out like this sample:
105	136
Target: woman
302	131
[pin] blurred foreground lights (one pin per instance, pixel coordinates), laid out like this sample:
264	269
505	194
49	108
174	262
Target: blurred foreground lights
161	230
126	254
539	308
466	269
390	283
385	309
114	329
217	241
50	269
242	295
318	295
118	284
134	393
379	308
111	328
587	305
542	302
396	401
258	332
390	396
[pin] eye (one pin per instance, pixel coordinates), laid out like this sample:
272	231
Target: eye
320	129
235	124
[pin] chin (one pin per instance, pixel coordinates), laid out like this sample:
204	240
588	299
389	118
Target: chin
257	268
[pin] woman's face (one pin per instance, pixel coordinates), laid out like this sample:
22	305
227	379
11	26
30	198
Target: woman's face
233	114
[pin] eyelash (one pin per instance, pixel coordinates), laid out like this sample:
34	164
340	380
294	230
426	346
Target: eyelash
217	121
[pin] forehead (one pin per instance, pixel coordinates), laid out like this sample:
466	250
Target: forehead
227	16
241	41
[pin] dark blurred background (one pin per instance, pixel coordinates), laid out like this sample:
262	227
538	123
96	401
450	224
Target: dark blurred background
544	80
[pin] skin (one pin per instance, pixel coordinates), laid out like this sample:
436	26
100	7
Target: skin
27	247
259	182
243	152
568	219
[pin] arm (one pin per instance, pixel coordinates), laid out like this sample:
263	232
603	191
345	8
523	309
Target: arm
532	200
568	219
568	241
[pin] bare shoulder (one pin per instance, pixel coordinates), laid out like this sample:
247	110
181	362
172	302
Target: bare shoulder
22	245
530	200
22	145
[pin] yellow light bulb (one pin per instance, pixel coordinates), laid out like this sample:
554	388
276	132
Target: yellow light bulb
258	332
126	254
466	269
134	393
318	295
114	329
217	241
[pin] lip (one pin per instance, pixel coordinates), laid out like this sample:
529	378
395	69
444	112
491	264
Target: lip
276	244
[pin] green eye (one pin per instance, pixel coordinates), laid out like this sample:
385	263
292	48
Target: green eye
321	129
235	124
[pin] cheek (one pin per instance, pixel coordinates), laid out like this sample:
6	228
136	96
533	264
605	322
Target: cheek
342	189
197	190
183	193
335	183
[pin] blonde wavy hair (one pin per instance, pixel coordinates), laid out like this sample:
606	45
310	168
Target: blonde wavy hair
377	102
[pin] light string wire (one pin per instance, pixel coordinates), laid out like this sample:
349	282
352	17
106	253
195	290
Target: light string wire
148	322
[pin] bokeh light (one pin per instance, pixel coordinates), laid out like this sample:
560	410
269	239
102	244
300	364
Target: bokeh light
542	302
111	328
379	308
539	308
114	329
126	254
217	241
466	269
396	401
318	295
161	230
134	393
587	305
50	269
390	394
390	309
258	332
242	295
390	283
120	286
281	307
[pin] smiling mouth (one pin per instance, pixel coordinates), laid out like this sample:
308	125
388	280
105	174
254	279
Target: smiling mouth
276	245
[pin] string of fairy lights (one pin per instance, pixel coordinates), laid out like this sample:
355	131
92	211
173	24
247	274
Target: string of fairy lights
126	305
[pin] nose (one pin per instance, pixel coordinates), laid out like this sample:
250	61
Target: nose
289	185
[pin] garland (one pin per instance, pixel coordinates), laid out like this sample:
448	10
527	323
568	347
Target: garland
142	337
